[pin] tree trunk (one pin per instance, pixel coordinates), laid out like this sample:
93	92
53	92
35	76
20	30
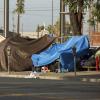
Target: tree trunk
80	15
18	23
74	23
76	19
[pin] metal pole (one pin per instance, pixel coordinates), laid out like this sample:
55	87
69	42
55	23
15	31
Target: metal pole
6	18
74	57
8	64
8	55
75	65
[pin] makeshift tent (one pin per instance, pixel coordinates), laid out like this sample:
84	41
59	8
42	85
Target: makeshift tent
62	51
21	51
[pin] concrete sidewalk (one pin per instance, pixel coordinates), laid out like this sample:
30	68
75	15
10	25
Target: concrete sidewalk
92	76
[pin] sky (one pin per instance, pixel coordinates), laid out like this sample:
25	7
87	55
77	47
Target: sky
36	12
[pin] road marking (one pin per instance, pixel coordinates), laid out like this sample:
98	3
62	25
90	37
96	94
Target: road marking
90	80
84	79
20	83
41	95
32	94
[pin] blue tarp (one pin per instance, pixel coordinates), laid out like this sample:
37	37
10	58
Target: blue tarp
62	51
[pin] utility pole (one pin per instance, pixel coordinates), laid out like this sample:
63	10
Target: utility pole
62	18
52	16
6	18
38	32
13	24
52	13
18	23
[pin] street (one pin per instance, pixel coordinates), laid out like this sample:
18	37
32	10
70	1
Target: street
36	89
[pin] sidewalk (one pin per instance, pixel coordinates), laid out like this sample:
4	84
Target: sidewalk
92	76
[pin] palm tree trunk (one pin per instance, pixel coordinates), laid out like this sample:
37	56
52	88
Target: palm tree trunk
18	23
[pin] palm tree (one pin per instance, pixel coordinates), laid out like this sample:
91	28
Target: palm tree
19	10
96	12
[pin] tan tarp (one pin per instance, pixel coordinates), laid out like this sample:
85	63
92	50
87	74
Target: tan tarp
21	51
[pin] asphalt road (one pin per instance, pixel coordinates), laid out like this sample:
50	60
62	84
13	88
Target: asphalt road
36	89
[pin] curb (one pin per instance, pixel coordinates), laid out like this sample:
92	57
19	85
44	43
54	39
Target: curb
82	76
50	77
13	76
92	80
35	77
